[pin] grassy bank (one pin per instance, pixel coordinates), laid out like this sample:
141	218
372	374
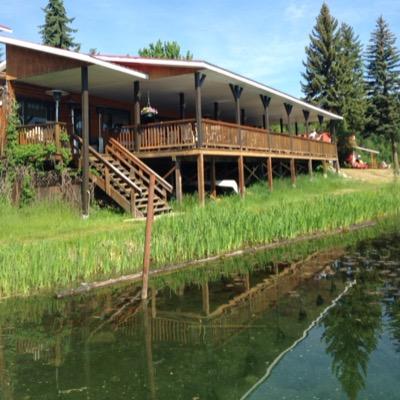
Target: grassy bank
48	246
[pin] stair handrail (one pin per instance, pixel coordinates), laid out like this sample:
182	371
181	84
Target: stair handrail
161	181
109	165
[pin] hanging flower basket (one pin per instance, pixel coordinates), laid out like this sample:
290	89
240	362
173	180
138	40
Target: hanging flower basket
148	112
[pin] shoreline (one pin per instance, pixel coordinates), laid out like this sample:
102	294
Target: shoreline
85	288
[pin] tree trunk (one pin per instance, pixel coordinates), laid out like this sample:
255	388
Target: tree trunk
396	169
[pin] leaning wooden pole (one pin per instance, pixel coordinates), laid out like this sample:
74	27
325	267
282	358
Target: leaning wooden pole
147	240
85	140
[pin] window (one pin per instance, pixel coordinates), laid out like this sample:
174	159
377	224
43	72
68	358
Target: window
34	111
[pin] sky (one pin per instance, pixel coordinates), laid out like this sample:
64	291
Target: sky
263	40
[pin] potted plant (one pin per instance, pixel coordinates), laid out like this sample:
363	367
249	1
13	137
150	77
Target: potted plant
148	113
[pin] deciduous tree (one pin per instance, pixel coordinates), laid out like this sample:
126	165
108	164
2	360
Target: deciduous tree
170	50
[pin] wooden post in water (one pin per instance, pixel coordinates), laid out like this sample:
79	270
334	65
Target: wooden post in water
205	295
269	170
147	240
241	176
200	179
293	172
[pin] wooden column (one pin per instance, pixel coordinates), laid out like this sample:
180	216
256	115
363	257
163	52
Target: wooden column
270	173
288	108
243	116
237	92
200	179
306	115
265	100
293	171
178	181
241	176
281	124
320	120
325	168
85	140
136	114
198	83
310	168
182	106
296	129
213	179
216	111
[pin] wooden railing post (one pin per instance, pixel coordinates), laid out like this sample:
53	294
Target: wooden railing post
147	240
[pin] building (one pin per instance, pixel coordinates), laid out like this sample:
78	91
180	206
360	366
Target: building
211	123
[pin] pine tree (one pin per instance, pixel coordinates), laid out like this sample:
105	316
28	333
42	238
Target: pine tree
170	50
350	84
56	30
383	77
320	86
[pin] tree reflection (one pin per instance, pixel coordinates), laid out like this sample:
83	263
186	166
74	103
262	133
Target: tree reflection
351	334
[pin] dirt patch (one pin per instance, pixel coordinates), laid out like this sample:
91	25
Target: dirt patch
369	175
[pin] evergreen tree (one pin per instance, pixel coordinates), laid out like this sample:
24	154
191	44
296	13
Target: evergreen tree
383	75
350	84
56	30
321	75
170	50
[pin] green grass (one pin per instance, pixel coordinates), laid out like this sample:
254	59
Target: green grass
48	246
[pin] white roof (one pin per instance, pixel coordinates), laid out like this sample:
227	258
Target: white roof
108	79
239	79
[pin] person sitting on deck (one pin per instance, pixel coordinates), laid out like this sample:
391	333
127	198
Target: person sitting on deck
325	137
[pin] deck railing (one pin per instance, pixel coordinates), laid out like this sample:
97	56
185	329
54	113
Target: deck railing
175	135
49	133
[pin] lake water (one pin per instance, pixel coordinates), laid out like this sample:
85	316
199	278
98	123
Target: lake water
260	327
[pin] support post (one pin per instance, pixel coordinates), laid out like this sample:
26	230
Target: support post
320	120
216	111
178	181
296	129
200	179
288	108
270	176
332	130
325	168
85	140
265	100
136	114
182	106
237	92
243	116
310	168
213	179
241	176
306	115
198	83
147	240
293	171
281	124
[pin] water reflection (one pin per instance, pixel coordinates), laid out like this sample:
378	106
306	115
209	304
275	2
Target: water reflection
206	338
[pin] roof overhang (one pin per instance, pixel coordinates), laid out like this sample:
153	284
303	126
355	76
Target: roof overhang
58	68
250	99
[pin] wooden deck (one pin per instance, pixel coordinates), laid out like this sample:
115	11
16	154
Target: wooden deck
182	137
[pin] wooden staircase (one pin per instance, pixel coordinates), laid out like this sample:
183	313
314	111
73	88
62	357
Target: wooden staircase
125	179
